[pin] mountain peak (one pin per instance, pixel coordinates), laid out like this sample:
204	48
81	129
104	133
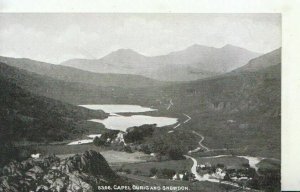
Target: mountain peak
228	46
196	46
125	51
124	56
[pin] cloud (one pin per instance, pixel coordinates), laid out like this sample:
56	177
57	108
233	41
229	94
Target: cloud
58	37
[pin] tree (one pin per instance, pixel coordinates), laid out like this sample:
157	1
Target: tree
227	177
153	171
220	165
127	149
168	173
175	154
99	141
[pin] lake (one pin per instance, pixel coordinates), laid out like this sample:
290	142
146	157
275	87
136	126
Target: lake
119	122
124	122
119	108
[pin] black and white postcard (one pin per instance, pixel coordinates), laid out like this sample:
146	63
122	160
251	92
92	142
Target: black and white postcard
140	101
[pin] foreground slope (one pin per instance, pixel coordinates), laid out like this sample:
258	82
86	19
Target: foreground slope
83	172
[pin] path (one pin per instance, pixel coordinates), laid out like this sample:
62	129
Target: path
188	118
170	104
177	125
200	142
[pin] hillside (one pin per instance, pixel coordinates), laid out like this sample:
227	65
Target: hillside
69	74
194	62
264	61
25	116
70	92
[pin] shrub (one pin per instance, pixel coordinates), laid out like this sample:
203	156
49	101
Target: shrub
168	173
128	171
175	154
137	172
137	134
220	165
153	171
99	141
144	148
127	149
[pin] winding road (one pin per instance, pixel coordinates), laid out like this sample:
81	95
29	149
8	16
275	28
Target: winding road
179	124
200	144
188	118
170	104
194	168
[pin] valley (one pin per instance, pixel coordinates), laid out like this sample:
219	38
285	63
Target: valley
149	128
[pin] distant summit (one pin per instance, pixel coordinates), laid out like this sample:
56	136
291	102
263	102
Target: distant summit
228	46
198	46
124	52
123	57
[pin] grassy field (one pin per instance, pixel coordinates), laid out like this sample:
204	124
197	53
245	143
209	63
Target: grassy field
116	158
270	164
230	161
67	149
112	157
192	186
144	168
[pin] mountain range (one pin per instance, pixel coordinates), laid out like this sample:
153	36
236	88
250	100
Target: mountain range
194	62
70	74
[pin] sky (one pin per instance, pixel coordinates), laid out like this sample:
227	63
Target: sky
57	37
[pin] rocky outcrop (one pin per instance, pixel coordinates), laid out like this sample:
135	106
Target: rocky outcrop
90	162
82	172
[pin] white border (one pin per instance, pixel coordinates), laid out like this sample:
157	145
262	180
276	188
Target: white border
290	43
